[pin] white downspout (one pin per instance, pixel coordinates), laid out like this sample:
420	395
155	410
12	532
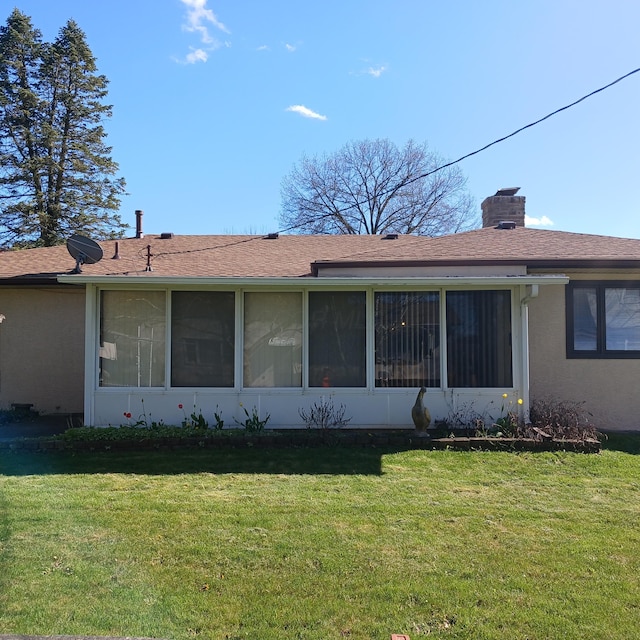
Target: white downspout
532	292
90	351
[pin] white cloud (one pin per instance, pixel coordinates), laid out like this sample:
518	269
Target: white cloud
264	47
196	55
198	20
537	222
305	112
289	47
376	72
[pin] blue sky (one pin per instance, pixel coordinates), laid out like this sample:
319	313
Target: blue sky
215	100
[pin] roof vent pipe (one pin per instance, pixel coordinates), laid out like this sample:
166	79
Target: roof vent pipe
116	255
139	215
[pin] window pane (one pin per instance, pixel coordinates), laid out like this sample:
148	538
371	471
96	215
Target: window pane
585	334
622	317
407	339
202	338
132	338
479	338
273	340
337	334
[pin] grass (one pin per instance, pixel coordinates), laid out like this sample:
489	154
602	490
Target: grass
322	543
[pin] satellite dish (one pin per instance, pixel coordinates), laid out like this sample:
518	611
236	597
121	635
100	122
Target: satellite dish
84	250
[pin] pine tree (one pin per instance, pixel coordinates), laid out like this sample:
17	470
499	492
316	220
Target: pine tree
56	173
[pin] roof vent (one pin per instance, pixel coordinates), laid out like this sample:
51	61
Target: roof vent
139	214
390	236
272	236
166	236
506	224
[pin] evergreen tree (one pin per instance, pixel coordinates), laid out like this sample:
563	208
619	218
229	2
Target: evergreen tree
56	173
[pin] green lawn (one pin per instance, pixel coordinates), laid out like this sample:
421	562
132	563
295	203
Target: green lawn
322	543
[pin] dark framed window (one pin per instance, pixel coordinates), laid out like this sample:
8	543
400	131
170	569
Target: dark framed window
407	339
479	339
202	338
337	339
603	319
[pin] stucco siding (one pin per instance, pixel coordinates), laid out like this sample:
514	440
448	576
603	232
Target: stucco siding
42	348
608	388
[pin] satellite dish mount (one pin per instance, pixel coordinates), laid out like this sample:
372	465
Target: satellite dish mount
84	250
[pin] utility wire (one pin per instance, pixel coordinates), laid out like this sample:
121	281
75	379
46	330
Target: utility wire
480	150
440	168
527	126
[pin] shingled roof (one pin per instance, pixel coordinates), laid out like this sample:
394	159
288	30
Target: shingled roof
245	256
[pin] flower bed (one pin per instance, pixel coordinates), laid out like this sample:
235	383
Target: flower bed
123	439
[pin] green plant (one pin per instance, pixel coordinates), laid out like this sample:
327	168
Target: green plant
196	420
506	425
217	414
252	421
143	420
466	417
323	415
8	416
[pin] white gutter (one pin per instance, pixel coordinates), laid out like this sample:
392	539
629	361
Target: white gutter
302	282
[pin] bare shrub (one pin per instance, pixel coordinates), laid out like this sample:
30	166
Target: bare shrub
462	417
561	419
324	415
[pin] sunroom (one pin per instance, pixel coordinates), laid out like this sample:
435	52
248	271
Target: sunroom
279	345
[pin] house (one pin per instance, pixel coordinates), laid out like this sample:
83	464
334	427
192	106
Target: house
277	322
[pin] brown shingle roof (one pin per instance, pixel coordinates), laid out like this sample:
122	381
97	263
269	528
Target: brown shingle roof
293	255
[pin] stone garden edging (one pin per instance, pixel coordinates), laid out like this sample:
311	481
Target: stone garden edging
298	439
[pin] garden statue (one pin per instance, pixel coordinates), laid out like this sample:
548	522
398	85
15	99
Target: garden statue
420	413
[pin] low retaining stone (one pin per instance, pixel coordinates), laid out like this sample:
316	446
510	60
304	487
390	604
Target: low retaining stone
305	439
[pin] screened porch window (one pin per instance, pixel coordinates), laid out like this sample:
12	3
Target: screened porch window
273	339
202	338
479	339
407	339
132	338
337	339
603	320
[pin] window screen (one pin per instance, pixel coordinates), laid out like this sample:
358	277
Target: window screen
407	339
132	338
337	339
202	338
273	339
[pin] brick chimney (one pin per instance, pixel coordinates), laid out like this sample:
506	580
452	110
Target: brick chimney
505	206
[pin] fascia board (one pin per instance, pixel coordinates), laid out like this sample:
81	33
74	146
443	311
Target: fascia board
154	282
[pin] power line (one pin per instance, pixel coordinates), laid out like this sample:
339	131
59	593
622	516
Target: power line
527	126
429	173
481	149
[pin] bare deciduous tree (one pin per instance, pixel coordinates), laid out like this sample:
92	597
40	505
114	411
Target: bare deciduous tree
372	187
